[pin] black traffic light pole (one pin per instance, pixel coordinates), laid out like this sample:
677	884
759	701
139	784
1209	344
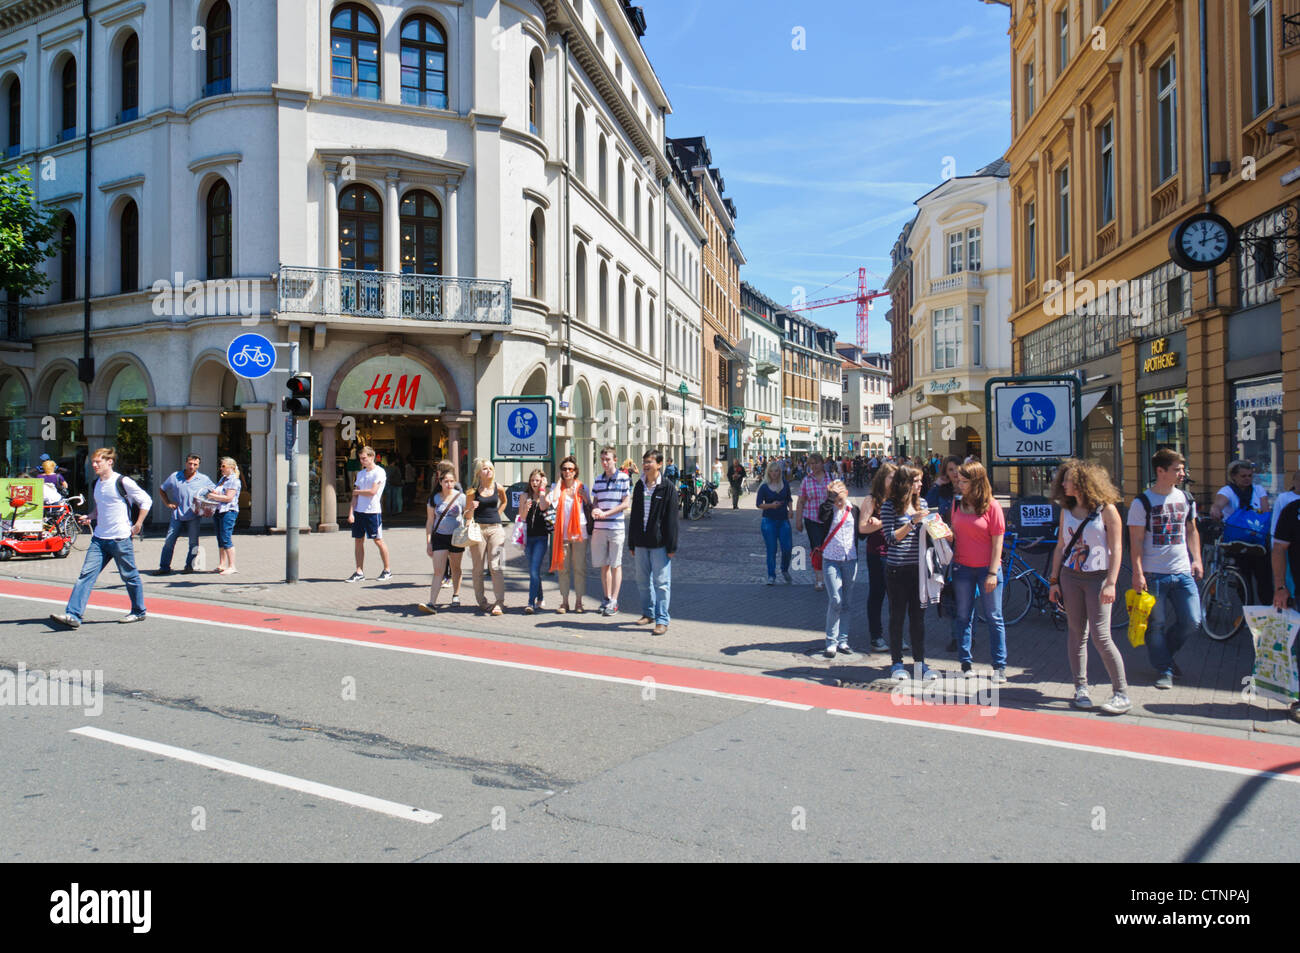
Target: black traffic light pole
291	454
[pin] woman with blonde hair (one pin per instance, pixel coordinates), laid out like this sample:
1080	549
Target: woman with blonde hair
1085	573
979	527
486	503
774	499
226	497
569	549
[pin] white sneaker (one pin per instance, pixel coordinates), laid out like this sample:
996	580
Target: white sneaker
1117	705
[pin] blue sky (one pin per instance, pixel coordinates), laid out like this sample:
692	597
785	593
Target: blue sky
825	149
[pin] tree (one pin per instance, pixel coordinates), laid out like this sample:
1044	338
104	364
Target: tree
29	234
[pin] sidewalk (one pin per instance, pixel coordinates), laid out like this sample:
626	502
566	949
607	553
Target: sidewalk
723	615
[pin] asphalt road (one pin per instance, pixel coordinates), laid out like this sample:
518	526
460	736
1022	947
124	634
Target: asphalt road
531	765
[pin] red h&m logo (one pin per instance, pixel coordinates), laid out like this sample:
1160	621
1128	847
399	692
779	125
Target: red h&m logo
378	397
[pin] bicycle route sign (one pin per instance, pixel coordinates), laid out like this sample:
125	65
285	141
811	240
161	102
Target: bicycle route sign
522	427
251	356
1032	420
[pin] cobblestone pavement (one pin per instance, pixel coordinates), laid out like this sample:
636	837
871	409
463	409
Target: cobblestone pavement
723	615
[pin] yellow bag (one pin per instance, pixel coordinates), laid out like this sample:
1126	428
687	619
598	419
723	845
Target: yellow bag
1139	606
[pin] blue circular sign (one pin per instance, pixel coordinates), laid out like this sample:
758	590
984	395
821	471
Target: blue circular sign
251	356
523	423
1033	413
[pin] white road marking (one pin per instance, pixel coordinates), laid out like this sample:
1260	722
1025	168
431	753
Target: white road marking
1073	745
391	808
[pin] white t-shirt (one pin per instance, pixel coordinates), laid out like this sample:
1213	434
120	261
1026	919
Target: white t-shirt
1164	549
374	478
112	519
1257	494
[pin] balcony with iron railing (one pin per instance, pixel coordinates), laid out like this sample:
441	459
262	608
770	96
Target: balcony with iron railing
345	294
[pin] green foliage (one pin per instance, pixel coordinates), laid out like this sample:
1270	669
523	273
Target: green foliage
29	234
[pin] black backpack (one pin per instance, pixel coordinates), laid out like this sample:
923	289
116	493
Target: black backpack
132	508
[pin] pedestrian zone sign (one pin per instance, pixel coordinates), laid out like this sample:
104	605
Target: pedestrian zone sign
522	428
1033	420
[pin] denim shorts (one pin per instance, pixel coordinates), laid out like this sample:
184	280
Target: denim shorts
225	526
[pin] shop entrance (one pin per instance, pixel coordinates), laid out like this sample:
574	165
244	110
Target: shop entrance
409	449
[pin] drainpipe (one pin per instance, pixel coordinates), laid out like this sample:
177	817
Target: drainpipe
86	366
1205	141
566	353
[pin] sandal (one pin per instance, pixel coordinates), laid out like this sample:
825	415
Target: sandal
579	608
529	610
562	608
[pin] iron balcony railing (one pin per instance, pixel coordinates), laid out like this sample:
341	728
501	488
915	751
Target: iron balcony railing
12	324
349	293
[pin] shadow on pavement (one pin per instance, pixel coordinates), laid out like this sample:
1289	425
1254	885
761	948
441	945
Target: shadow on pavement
1231	811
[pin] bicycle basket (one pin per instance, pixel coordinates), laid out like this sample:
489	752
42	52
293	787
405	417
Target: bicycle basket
1248	527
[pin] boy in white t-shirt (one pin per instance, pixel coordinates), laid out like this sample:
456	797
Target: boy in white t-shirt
365	514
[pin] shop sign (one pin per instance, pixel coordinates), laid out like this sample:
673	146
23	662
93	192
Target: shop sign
1161	356
763	418
802	429
950	386
390	384
22	505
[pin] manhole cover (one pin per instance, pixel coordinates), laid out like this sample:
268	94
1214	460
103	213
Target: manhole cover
237	590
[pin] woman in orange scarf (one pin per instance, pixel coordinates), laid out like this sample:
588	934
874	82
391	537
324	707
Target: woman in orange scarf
569	548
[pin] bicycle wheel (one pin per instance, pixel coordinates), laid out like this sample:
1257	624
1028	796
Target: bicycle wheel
1017	599
1222	599
698	508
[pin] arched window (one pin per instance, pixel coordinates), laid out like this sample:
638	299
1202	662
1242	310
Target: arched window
604	297
602	155
621	177
636	209
354	52
130	79
650	325
218	230
68	112
534	93
361	229
15	102
424	63
650	224
420	224
622	308
580	144
636	314
580	280
129	247
218	40
68	258
536	235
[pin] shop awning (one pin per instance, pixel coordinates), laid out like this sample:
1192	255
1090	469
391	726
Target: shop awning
924	411
1090	402
958	406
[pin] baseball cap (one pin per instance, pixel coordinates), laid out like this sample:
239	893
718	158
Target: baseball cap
44	457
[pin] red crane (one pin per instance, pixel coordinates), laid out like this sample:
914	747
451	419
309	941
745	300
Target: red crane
864	297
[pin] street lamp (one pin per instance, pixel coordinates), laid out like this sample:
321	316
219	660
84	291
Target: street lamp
684	391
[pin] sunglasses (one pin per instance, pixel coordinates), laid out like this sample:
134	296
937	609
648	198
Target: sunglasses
568	469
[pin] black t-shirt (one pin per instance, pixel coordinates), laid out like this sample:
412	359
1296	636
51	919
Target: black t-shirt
1288	531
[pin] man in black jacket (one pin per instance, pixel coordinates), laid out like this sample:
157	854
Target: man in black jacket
652	539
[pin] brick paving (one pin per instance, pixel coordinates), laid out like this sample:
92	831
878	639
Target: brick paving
723	615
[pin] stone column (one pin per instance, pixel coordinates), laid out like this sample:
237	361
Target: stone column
1207	396
392	248
328	493
257	423
1130	415
451	259
331	257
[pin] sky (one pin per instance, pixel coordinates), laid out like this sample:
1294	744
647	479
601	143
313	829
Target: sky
825	149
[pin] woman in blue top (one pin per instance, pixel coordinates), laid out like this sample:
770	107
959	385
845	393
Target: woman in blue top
226	496
774	500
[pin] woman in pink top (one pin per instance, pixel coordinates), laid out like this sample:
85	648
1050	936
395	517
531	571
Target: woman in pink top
807	507
978	527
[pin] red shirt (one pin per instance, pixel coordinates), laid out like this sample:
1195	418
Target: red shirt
975	535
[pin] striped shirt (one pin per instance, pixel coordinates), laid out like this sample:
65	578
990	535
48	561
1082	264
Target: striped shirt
902	552
607	493
812	494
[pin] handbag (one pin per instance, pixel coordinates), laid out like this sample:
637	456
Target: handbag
817	553
466	533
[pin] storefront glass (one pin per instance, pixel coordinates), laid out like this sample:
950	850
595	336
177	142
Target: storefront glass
13	429
1258	431
1097	442
128	427
69	448
1162	423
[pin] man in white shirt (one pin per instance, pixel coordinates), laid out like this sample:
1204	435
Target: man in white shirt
365	514
114	527
612	494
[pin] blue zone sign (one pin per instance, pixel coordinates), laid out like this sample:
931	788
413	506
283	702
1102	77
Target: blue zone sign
1034	421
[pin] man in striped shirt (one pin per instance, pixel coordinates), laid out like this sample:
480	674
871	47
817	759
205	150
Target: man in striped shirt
611	492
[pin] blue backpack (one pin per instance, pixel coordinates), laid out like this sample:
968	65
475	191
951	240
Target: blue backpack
1246	526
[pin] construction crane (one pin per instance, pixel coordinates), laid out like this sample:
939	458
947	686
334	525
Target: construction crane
864	297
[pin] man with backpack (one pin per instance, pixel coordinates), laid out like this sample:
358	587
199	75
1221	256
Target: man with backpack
119	511
1239	505
1166	554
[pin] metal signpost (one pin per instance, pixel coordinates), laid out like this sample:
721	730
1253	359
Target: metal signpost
1032	421
523	428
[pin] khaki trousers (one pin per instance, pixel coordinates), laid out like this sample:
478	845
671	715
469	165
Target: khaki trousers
491	551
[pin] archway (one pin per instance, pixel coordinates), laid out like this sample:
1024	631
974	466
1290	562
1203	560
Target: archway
584	448
18	456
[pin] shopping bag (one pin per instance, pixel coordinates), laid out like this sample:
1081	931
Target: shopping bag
517	537
1139	606
1274	635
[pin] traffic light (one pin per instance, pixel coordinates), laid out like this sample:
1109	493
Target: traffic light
298	403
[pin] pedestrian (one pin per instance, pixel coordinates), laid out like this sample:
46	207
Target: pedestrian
569	547
979	527
180	492
1286	561
736	477
118	514
871	526
812	494
365	514
487	501
1085	573
537	532
1283	500
839	564
903	517
226	497
1241	493
774	499
652	538
629	468
51	476
443	514
1166	554
393	481
940	496
611	495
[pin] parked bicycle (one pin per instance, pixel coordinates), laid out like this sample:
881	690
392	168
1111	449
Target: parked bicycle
1225	590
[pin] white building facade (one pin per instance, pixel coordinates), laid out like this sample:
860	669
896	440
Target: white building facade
868	411
761	434
439	202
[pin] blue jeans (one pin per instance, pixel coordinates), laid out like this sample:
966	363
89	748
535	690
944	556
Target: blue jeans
654	573
100	552
967	582
840	576
775	531
191	527
224	523
1165	636
535	548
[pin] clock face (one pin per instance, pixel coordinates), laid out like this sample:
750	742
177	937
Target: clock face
1204	240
